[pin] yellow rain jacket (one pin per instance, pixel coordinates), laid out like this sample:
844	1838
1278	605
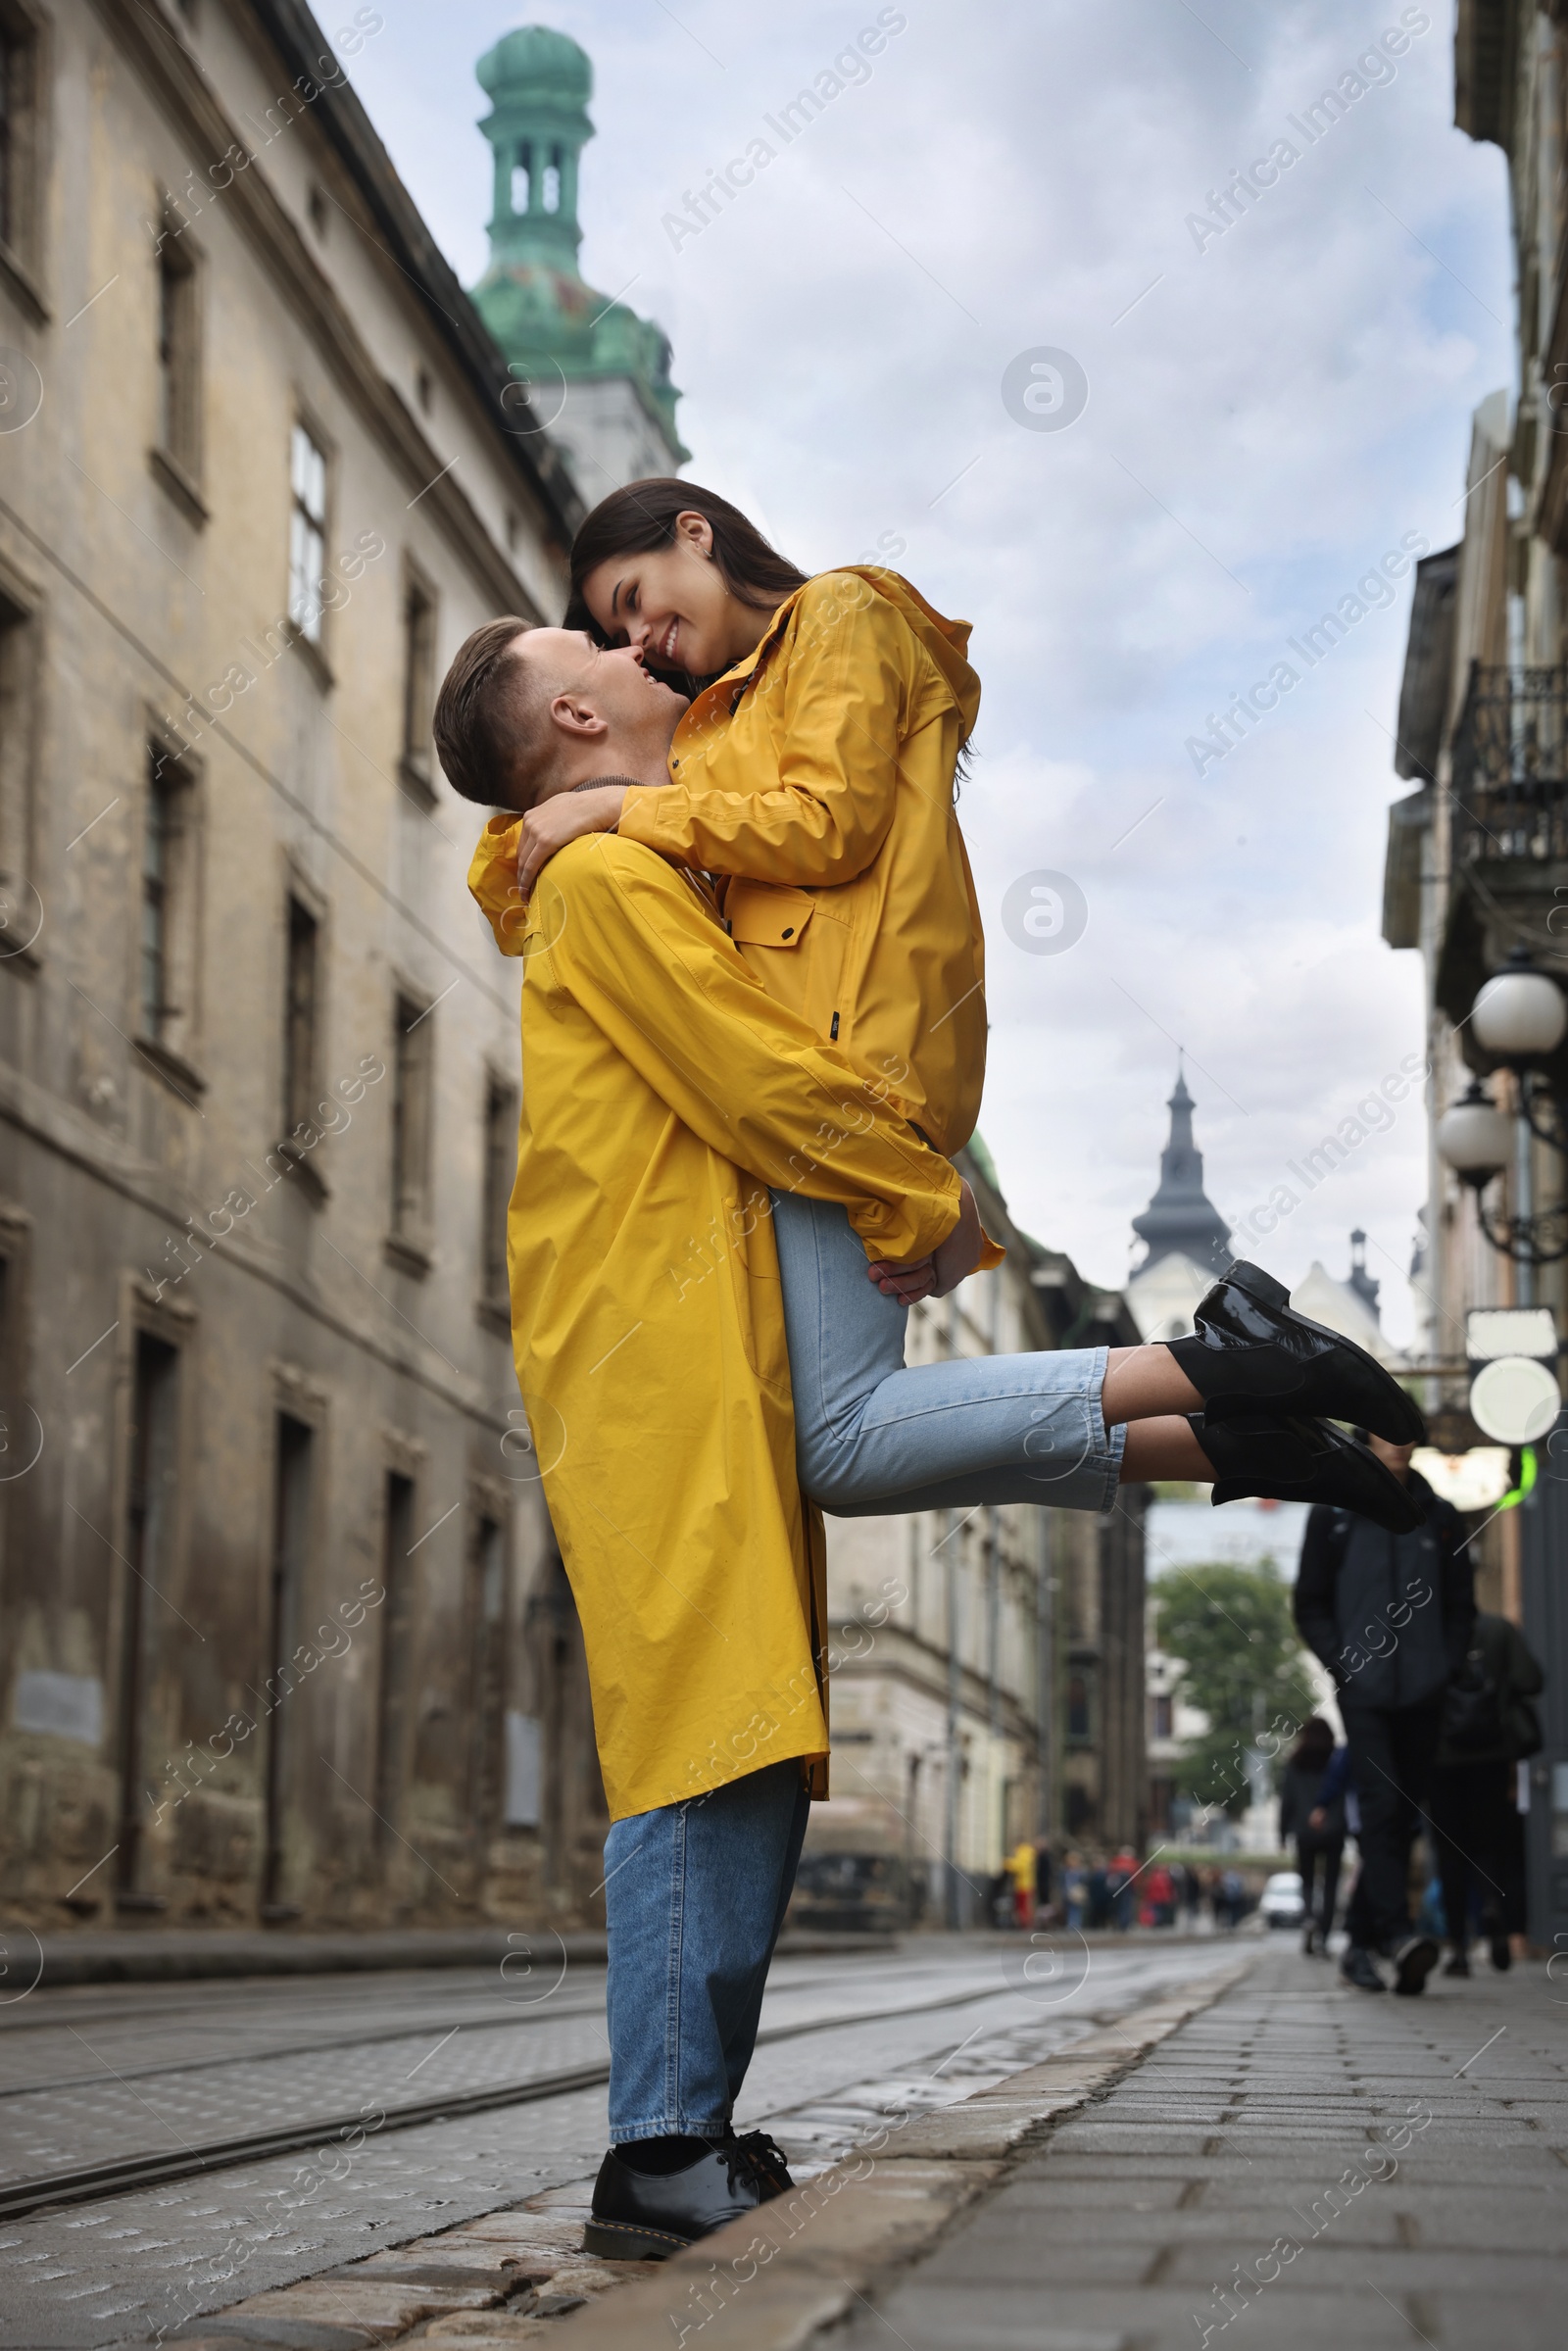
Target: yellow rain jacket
663	1093
817	776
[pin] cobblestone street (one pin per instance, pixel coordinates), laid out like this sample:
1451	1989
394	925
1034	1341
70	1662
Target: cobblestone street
1298	2163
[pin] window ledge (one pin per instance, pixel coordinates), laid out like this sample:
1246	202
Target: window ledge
406	1256
312	656
494	1316
21	284
414	781
312	1182
172	476
176	1074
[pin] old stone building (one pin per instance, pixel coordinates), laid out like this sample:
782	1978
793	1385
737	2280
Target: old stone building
987	1668
282	1635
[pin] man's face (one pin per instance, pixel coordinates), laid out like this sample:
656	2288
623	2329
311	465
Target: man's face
1392	1456
608	711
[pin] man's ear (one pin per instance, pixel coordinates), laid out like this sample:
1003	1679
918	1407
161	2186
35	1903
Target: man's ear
576	717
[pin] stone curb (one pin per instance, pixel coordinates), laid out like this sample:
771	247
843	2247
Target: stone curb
774	2280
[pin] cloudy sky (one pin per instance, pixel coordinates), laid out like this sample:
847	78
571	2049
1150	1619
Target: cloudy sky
1271	410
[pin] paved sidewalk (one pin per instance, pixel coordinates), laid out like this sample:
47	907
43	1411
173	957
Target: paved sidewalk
1302	2164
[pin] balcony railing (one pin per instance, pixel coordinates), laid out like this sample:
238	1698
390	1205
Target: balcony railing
1510	765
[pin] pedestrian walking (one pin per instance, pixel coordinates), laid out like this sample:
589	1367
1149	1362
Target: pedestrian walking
1489	1727
1317	1826
1075	1890
1159	1889
1391	1616
1119	1877
1020	1867
1098	1894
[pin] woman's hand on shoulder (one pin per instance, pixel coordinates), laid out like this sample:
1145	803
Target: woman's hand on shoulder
552	823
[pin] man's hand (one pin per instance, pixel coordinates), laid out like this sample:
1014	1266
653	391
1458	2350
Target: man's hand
554	822
907	1283
1317	1818
947	1266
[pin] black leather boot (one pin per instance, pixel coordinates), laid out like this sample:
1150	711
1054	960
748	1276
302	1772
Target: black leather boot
1252	1349
642	2216
1291	1459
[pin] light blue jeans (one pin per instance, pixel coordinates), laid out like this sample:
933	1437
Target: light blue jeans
872	1438
694	1894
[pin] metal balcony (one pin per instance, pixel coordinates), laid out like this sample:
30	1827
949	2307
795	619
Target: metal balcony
1510	766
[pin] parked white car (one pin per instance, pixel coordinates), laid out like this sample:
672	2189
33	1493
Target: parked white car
1282	1904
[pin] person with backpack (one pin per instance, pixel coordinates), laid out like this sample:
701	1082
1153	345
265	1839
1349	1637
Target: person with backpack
1489	1728
1317	1824
1391	1616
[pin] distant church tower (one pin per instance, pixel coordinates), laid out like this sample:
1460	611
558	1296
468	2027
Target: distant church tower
598	374
1187	1241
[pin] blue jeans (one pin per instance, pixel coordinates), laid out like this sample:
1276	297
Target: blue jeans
872	1438
694	1894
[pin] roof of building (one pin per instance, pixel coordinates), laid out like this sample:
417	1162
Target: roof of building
1181	1217
552	325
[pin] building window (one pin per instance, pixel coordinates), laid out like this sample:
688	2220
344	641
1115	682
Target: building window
301	986
522	179
179	357
166	977
411	1130
159	861
307	538
291	1534
18	665
392	1738
1078	1723
1163	1717
21	87
552	186
419	681
148	1555
499	1167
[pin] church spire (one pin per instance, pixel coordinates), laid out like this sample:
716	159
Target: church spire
1181	1217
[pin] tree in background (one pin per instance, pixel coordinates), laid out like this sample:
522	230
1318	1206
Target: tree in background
1242	1665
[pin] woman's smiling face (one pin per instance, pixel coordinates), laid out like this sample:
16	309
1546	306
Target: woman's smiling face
673	604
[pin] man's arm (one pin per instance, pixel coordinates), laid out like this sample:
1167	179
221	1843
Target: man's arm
845	681
635	946
1312	1602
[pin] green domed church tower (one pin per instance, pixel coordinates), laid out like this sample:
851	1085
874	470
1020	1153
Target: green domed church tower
599	375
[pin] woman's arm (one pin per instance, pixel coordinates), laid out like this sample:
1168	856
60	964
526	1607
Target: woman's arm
841	690
633	944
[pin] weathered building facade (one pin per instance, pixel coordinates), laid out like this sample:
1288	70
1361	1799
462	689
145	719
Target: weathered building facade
282	1635
1477	869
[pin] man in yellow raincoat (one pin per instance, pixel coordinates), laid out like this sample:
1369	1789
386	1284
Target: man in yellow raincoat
665	1094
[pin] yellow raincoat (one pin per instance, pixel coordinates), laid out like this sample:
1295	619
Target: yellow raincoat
664	1093
817	775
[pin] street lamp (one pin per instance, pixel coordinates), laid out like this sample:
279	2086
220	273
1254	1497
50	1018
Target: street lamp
1520	1018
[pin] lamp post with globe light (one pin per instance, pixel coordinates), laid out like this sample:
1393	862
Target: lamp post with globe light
1519	1017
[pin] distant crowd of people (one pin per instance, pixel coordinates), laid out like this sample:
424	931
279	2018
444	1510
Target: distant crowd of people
1099	1893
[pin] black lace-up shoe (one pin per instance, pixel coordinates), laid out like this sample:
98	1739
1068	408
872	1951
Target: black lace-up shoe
1299	1460
647	2216
768	2161
1251	1349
